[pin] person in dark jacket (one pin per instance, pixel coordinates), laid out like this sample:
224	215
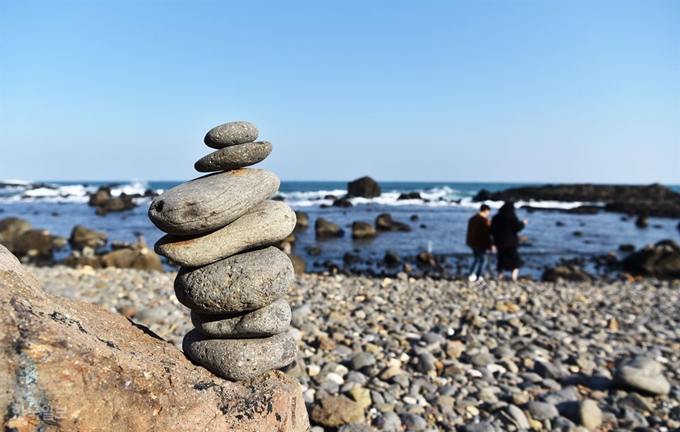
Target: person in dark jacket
504	229
479	240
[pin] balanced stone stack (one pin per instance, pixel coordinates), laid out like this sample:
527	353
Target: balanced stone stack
220	228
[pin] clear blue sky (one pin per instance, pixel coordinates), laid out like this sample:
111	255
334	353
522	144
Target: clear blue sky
514	91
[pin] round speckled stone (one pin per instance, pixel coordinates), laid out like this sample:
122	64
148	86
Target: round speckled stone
229	134
242	282
234	157
263	322
240	359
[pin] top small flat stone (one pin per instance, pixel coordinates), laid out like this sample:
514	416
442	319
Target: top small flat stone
229	134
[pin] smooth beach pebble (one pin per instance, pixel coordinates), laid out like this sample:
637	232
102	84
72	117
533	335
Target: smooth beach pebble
242	282
211	202
229	134
267	223
240	359
267	321
234	157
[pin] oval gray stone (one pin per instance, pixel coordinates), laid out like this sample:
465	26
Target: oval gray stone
234	157
229	134
267	223
643	374
263	322
240	359
240	283
212	201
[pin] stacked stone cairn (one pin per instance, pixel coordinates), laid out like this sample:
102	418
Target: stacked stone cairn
220	228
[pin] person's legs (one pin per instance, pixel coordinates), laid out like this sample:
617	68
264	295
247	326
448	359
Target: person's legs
478	261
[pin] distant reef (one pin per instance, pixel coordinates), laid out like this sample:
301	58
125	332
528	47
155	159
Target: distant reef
653	200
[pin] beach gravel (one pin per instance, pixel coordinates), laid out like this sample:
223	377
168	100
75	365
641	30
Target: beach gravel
427	354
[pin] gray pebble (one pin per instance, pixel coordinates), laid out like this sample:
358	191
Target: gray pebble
267	223
232	133
542	410
267	321
240	359
212	201
642	373
234	157
242	282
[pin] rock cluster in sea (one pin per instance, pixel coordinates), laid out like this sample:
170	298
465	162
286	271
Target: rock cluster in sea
220	228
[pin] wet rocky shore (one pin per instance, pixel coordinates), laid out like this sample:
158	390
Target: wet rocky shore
400	353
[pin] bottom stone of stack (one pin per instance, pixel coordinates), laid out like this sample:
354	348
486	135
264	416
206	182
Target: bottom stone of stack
267	321
240	359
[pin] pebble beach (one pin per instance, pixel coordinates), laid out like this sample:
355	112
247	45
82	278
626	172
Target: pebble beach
429	355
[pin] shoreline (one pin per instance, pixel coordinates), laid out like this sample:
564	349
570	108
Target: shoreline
439	353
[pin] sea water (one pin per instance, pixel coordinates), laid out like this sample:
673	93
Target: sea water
438	220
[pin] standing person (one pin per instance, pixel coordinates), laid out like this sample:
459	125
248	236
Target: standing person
479	239
504	229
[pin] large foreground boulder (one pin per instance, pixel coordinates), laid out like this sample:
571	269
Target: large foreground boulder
71	366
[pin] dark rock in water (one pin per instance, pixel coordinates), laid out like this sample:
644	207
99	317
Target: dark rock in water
105	202
642	221
350	258
363	230
314	250
578	233
82	237
409	195
559	223
327	229
342	202
364	187
384	222
553	274
627	248
660	260
392	259
302	221
414	217
425	259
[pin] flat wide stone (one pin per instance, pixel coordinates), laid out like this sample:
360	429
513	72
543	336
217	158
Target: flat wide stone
234	157
229	134
267	321
266	224
240	359
212	201
240	283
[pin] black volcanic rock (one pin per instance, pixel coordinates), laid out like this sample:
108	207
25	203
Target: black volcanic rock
653	200
364	187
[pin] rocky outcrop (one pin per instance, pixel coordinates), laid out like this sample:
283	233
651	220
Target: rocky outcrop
71	366
652	200
26	243
364	187
659	260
